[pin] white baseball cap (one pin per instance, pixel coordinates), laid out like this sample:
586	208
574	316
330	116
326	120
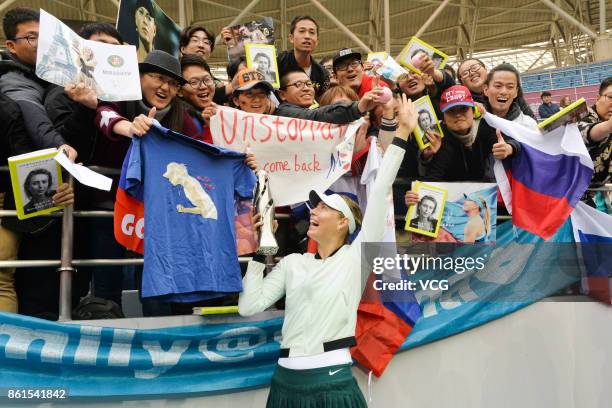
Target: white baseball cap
334	201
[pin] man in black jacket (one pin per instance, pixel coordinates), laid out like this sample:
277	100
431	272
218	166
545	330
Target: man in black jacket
304	35
72	110
19	81
13	140
465	154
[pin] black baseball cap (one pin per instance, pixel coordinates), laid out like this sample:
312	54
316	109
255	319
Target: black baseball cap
345	54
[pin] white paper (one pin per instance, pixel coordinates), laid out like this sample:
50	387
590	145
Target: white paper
65	58
83	174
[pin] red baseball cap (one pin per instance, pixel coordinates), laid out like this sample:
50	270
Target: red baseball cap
454	96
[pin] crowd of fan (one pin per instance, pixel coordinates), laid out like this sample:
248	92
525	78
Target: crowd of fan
183	94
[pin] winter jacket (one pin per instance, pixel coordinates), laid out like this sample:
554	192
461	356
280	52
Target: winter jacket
339	113
74	121
457	162
19	82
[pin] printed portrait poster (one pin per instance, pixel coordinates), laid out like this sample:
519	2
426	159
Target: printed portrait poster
144	24
299	155
263	59
65	58
427	122
416	50
470	214
424	218
35	177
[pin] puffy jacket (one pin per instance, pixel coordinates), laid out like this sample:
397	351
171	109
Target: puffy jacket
14	138
19	82
339	113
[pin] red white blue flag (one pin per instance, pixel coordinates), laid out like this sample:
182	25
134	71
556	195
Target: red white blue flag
543	183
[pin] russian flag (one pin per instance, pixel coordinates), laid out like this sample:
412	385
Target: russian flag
593	234
542	185
382	326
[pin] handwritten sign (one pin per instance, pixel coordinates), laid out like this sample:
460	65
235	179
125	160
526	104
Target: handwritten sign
300	155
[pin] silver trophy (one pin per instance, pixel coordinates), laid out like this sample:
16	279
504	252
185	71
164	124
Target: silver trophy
265	206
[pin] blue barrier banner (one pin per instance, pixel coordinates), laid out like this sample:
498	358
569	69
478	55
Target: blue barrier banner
521	269
220	357
101	361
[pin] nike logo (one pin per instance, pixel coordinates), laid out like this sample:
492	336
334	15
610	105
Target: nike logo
335	371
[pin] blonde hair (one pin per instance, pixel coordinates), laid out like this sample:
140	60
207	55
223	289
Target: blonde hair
355	210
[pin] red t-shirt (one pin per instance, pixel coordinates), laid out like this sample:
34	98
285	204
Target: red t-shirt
366	84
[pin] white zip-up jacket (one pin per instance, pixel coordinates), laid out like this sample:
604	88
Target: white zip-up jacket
322	296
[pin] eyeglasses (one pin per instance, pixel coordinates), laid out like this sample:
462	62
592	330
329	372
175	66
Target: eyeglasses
198	82
197	40
31	39
471	70
345	65
301	84
162	79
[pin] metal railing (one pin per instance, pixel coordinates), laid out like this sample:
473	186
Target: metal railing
66	263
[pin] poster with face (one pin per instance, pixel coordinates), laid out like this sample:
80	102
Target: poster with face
35	177
469	214
377	59
417	52
424	218
262	58
144	24
427	122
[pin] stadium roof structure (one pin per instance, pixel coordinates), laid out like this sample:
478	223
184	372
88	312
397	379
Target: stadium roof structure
532	34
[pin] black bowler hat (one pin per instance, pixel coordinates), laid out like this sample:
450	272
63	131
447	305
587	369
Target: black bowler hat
162	63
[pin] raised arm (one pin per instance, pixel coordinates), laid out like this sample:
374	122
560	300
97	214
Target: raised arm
373	226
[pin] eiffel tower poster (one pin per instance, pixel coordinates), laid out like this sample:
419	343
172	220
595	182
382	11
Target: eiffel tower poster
57	64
